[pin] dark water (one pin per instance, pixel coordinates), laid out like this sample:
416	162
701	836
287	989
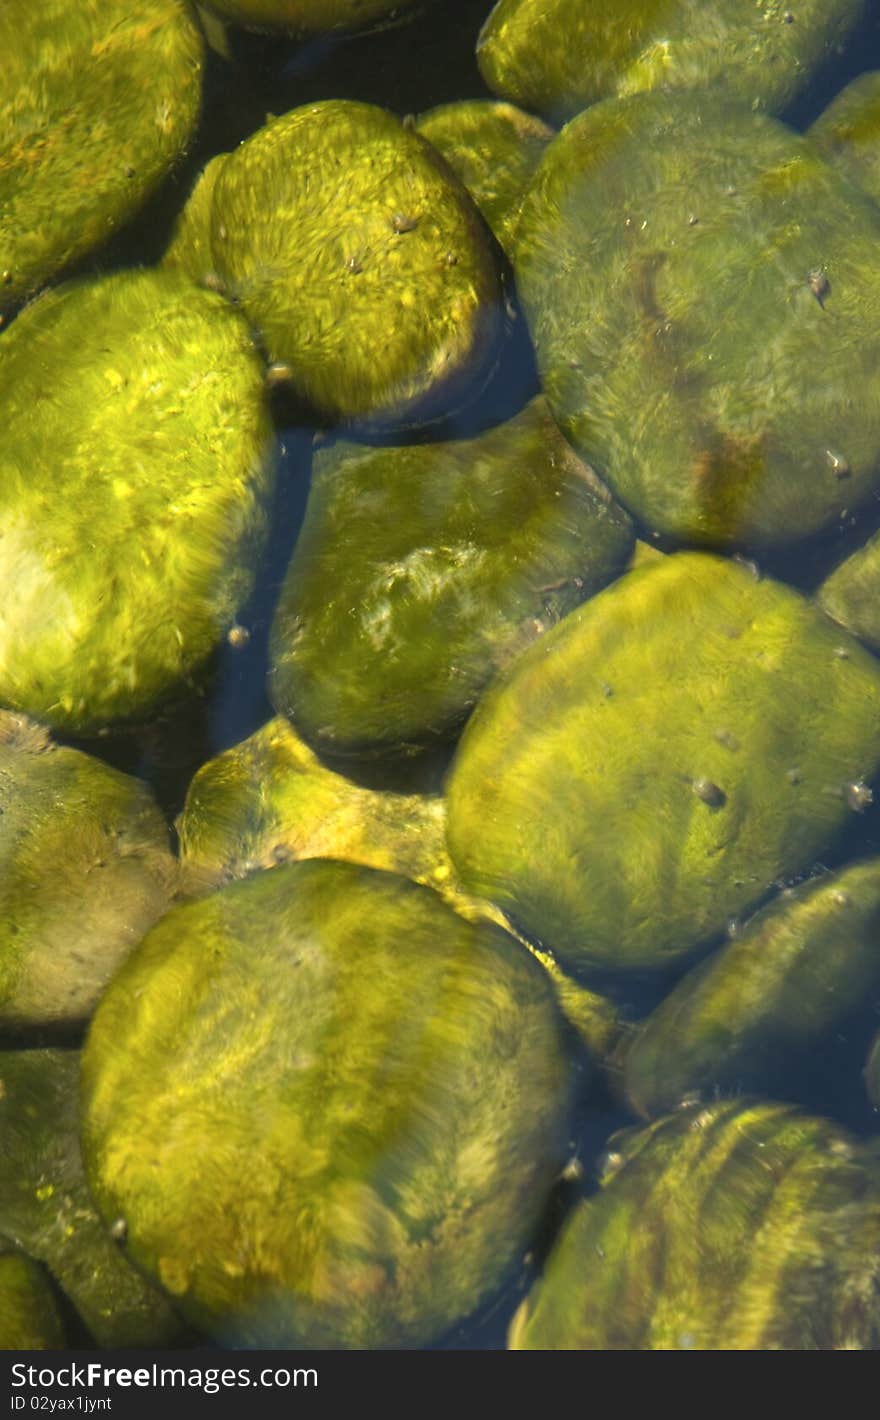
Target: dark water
419	64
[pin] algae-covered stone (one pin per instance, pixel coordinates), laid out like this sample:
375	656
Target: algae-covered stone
308	17
704	294
851	593
741	1226
847	133
97	100
773	994
135	463
558	56
327	1108
270	800
46	1209
85	869
494	148
656	761
29	1318
361	261
190	246
422	569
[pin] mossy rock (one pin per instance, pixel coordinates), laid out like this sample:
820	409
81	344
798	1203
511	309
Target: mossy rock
851	593
654	763
269	800
559	56
740	1226
704	295
494	148
189	249
847	133
29	1316
421	570
85	870
327	1108
97	101
774	994
361	261
308	17
45	1205
135	466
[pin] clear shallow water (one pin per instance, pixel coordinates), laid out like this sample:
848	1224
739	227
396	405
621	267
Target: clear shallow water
410	69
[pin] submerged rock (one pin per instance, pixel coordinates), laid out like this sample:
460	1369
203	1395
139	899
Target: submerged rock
369	1102
360	260
494	148
847	133
704	295
269	800
45	1204
422	569
190	246
29	1317
737	1226
97	100
135	465
85	869
771	996
851	593
654	763
558	56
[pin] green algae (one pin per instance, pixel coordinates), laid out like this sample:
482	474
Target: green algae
360	260
851	593
97	100
422	569
369	1099
269	800
135	467
85	869
559	56
703	292
494	149
654	763
776	992
739	1226
29	1317
46	1208
847	132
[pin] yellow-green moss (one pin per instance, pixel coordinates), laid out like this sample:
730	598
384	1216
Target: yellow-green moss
656	761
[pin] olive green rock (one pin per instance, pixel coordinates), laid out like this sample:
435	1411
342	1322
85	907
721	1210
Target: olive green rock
308	17
851	593
775	993
361	261
45	1206
741	1226
85	869
703	290
97	100
847	134
189	249
270	800
369	1105
29	1318
655	762
422	569
558	56
494	148
135	465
